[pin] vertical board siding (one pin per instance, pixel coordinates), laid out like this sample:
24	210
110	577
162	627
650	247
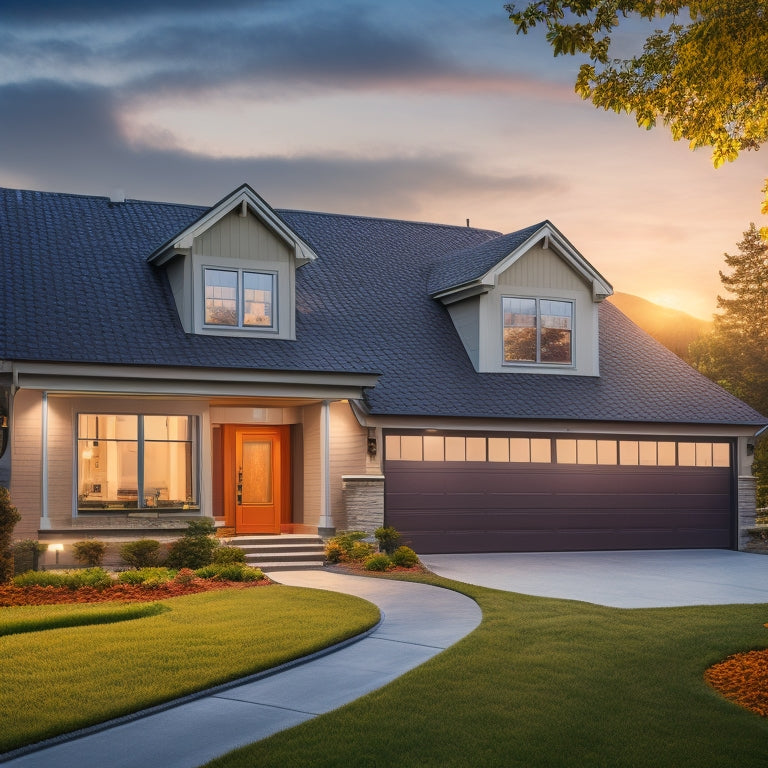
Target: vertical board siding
541	268
247	239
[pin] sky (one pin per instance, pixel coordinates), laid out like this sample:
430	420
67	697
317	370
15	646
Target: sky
423	110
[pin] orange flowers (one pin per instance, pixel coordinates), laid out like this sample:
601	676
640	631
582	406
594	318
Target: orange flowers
743	678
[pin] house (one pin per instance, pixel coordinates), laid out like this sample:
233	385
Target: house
286	371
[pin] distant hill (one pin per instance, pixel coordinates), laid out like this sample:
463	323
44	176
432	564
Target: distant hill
671	327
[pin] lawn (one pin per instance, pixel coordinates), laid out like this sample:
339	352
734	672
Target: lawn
549	683
118	659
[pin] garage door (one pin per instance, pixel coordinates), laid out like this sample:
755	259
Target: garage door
567	495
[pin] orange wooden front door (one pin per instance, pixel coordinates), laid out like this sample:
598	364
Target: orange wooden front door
254	471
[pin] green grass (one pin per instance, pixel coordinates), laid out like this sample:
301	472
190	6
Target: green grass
58	680
549	683
36	618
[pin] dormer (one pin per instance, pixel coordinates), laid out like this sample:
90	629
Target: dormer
524	303
233	271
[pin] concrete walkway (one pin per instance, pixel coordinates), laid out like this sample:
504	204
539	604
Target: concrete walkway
648	579
418	621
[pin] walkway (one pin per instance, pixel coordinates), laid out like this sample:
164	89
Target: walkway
418	621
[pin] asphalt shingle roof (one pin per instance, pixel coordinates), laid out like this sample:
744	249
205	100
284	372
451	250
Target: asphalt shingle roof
77	288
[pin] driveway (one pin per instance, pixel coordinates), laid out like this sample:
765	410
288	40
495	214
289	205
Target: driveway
658	578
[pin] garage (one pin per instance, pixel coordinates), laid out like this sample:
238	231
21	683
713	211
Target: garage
468	493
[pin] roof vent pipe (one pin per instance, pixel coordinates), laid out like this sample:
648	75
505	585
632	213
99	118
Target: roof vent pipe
116	196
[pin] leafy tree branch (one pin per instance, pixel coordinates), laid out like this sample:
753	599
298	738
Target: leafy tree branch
704	76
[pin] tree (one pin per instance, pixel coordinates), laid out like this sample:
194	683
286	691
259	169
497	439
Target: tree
706	80
9	516
735	352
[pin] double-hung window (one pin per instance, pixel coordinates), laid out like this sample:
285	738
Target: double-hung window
538	331
129	461
239	298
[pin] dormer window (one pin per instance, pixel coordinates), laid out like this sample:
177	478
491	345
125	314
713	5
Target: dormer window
239	298
233	271
538	331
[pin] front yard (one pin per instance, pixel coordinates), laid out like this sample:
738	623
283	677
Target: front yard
541	682
554	683
56	679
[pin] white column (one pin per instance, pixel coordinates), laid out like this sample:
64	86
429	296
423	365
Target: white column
45	521
325	527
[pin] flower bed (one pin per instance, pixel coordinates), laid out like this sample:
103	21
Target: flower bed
34	595
743	678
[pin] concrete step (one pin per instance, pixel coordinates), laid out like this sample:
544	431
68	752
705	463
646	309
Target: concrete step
288	551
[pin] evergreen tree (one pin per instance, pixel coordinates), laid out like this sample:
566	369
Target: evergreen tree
735	352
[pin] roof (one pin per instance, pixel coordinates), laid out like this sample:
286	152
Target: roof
77	287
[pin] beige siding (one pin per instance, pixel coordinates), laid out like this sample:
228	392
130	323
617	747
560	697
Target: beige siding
247	239
540	273
542	268
25	462
348	452
61	472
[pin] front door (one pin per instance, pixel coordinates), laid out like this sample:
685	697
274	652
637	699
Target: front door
258	486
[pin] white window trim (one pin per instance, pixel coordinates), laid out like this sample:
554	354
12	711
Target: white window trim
537	364
249	329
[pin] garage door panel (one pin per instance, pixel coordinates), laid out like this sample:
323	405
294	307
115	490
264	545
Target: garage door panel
462	507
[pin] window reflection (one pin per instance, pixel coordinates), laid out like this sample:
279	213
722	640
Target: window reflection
136	461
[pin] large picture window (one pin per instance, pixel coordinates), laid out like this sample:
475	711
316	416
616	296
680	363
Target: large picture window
130	461
238	298
538	331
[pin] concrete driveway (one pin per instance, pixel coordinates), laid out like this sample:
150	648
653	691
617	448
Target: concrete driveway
648	579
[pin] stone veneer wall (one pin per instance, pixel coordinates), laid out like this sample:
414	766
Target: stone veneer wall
362	502
746	511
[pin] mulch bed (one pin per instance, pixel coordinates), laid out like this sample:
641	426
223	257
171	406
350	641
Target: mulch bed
13	596
743	678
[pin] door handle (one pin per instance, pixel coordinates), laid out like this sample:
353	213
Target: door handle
240	486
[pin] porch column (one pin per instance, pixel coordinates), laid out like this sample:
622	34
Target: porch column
325	527
45	521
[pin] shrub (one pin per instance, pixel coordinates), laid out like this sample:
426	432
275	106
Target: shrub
27	552
9	516
227	554
40	579
196	547
201	526
348	547
405	557
185	576
378	562
89	552
388	539
333	552
141	576
230	572
97	578
142	553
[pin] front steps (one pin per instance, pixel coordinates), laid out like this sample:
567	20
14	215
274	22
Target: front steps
284	552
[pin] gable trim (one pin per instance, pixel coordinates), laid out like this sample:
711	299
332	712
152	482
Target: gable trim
551	239
245	199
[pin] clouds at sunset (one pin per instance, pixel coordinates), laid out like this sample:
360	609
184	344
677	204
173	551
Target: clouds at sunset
435	112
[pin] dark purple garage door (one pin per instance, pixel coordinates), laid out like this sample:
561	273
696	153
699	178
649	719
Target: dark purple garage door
447	506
